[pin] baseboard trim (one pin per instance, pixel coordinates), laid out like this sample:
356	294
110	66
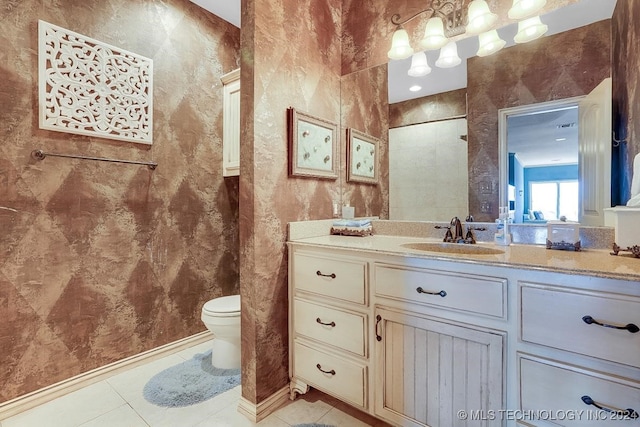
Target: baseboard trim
38	397
262	410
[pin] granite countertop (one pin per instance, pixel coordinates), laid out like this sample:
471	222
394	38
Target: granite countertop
594	262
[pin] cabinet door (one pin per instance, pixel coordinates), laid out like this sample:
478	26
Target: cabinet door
426	371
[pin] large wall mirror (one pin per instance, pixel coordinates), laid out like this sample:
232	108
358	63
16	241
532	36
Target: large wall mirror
434	172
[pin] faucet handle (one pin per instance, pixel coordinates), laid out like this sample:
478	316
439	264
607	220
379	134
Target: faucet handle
469	218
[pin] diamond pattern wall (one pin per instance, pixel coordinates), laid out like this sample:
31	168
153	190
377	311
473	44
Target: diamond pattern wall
100	261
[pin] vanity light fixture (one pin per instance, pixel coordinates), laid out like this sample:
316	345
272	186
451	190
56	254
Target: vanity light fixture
419	65
530	29
522	9
489	43
447	19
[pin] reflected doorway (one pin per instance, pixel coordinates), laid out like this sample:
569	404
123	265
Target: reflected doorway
542	147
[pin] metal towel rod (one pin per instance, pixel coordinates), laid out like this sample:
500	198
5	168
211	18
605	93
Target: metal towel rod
40	155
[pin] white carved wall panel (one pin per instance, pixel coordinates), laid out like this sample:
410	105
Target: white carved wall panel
91	88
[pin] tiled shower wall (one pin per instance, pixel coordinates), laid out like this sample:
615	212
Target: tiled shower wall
100	261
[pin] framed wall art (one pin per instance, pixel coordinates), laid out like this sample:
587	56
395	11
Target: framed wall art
362	157
313	146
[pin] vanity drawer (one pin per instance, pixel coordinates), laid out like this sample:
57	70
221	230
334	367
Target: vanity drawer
476	294
345	380
332	277
561	311
553	388
342	329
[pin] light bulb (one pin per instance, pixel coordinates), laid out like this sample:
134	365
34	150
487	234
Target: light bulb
530	29
525	8
433	35
448	56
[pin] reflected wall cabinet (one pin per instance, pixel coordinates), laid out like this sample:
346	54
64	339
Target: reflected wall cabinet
231	124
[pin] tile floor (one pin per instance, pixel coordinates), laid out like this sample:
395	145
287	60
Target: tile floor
118	402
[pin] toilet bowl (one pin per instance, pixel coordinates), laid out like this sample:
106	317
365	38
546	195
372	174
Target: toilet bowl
222	317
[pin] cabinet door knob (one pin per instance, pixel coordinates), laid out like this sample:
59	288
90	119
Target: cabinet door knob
624	413
331	372
332	324
332	275
422	291
629	327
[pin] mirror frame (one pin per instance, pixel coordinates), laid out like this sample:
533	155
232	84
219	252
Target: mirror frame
503	152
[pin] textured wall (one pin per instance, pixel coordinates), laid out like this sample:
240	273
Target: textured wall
290	57
101	261
626	89
365	107
440	106
555	67
367	27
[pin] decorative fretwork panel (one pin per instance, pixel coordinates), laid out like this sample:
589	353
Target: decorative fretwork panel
91	88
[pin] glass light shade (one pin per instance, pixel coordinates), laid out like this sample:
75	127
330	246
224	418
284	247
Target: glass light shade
400	47
524	8
448	56
419	65
433	35
530	29
490	42
480	17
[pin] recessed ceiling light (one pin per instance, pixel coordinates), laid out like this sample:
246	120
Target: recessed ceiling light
561	139
415	88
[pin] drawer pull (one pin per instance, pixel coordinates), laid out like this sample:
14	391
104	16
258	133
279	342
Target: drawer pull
332	275
626	413
331	372
629	327
378	319
332	324
422	291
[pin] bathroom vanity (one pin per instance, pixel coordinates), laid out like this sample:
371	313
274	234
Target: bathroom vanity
432	338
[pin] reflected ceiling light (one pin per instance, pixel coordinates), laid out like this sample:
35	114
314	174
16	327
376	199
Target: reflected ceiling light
415	88
489	43
434	37
400	47
419	65
561	139
480	17
449	56
530	29
525	8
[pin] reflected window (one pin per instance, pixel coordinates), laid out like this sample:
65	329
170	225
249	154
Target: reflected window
552	200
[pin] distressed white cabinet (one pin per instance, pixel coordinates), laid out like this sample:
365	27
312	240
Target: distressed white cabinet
231	124
328	323
416	340
427	370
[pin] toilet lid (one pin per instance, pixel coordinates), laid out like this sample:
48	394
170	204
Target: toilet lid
230	304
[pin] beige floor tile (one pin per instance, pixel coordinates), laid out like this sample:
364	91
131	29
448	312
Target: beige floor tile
71	410
230	417
307	408
123	416
188	353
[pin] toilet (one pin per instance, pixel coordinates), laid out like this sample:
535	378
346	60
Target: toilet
222	317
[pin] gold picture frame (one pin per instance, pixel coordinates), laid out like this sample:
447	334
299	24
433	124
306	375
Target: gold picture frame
362	157
313	145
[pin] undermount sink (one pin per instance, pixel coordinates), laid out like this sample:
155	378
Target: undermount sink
452	248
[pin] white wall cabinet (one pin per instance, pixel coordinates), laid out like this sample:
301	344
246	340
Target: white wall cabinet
231	124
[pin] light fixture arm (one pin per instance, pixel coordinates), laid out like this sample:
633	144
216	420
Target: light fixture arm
450	11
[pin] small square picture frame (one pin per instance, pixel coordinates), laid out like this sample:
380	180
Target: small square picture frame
313	145
362	157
